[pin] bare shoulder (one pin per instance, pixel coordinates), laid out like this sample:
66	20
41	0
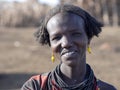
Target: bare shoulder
105	86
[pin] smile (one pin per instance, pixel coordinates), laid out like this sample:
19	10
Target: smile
69	53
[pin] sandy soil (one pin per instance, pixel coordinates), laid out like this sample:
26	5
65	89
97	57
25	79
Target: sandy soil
21	57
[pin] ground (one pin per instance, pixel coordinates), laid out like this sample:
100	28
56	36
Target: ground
21	57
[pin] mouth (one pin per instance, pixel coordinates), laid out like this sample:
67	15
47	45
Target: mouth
68	53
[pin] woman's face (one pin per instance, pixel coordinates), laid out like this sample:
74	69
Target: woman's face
68	38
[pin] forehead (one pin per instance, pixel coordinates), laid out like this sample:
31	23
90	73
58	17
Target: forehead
65	19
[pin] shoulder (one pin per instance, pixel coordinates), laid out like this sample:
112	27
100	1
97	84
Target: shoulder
31	84
35	82
105	86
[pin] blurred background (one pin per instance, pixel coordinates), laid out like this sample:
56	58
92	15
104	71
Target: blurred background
21	56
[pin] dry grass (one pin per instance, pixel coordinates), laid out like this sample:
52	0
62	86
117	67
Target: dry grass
21	56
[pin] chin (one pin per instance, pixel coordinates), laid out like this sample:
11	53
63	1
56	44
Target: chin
70	62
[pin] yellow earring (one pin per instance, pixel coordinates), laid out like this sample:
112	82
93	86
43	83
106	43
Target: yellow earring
89	50
53	58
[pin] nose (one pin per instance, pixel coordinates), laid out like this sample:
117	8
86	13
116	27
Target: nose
66	42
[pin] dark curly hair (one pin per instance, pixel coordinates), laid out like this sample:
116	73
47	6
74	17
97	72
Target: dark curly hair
92	26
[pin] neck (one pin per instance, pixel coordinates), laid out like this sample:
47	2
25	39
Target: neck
73	75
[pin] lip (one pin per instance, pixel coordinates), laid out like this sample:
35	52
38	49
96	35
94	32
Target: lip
68	53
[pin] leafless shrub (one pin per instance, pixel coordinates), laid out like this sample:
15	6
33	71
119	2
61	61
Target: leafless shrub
22	14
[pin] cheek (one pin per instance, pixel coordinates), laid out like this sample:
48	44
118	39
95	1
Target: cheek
55	47
81	46
82	42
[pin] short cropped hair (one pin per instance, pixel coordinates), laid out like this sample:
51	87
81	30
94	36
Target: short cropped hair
92	26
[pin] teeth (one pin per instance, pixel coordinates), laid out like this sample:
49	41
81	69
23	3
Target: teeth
69	53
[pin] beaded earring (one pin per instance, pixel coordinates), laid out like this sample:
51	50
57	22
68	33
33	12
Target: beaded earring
53	58
89	50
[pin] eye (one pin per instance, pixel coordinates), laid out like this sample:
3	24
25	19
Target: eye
56	38
76	34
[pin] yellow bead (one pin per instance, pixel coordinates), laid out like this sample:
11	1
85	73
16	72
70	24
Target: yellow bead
52	58
89	50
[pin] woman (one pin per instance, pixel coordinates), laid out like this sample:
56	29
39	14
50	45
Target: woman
68	30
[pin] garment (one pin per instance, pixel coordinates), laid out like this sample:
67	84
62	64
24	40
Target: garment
53	81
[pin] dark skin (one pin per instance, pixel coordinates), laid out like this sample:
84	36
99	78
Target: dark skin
69	40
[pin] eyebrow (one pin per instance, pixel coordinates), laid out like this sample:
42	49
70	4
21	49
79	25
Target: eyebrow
75	29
